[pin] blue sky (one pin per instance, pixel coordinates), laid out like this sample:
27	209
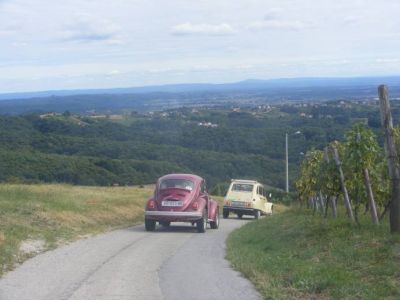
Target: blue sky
46	45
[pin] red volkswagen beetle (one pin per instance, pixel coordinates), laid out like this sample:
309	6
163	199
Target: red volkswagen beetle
181	198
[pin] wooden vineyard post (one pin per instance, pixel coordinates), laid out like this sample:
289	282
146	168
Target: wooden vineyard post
314	202
370	194
333	202
329	199
343	185
391	155
321	202
326	159
371	200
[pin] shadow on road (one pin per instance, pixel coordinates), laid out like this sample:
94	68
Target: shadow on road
174	227
177	228
245	218
186	227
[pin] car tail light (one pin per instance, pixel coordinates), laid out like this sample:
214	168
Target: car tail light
195	205
151	204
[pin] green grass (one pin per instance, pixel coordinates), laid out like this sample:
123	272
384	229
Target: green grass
220	201
55	214
294	255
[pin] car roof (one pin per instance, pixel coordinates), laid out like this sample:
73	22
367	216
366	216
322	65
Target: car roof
245	181
191	177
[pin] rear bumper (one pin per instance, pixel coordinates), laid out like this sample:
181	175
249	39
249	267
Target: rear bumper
173	216
242	210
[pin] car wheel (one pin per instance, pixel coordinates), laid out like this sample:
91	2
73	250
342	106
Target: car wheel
240	215
165	224
150	225
215	224
272	210
257	214
202	224
225	213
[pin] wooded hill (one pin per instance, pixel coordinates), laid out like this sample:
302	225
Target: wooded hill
137	148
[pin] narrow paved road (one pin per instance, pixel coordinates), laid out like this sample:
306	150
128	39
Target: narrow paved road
175	263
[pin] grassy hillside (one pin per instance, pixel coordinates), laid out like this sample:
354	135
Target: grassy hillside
294	255
39	217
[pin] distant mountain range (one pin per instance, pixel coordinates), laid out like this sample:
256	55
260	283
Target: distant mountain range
150	98
246	85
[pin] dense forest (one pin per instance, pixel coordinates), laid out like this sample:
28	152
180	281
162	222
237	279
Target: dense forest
133	148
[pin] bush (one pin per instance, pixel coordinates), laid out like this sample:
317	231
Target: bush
220	189
280	196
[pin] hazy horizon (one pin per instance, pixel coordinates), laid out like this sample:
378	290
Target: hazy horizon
153	87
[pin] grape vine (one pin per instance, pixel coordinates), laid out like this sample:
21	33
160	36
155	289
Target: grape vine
364	170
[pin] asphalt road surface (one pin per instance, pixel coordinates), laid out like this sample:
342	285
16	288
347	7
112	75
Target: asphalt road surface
174	263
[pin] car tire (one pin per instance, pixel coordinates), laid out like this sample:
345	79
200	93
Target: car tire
215	224
272	210
202	224
240	215
225	213
150	225
257	214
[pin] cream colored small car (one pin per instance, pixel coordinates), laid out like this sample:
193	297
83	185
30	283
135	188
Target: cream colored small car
246	197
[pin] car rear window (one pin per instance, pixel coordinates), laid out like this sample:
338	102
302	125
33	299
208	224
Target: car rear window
177	184
242	187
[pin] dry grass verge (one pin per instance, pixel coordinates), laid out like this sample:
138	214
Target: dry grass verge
40	217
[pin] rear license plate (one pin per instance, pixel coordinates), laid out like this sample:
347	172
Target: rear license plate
238	203
171	203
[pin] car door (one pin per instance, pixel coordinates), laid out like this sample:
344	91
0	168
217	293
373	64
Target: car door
261	196
265	199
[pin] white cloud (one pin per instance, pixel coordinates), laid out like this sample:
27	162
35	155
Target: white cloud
6	31
387	60
202	29
114	72
274	19
10	29
88	28
351	20
20	44
272	14
277	24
